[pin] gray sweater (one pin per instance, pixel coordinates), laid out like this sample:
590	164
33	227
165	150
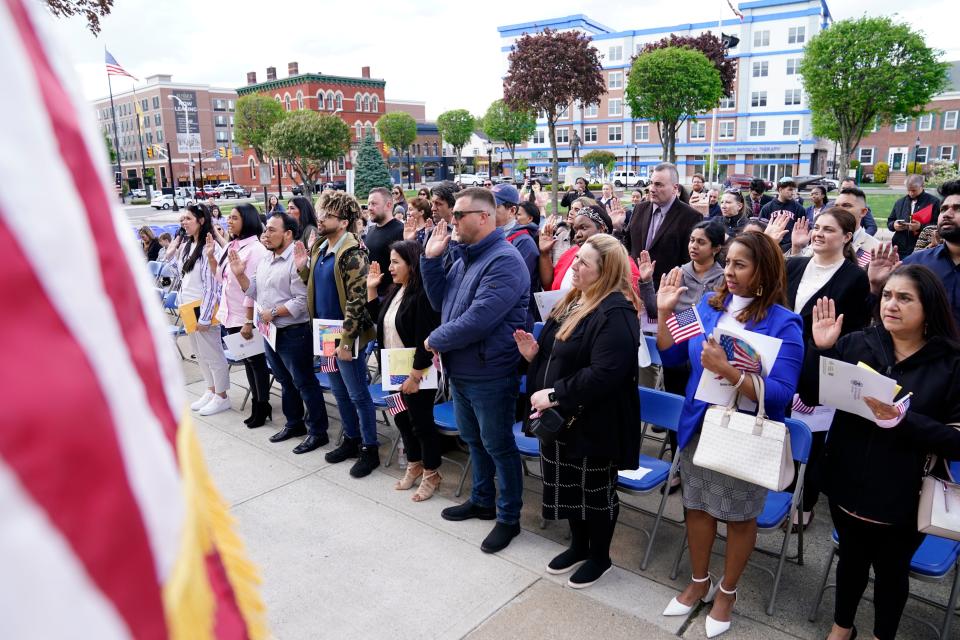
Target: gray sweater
696	287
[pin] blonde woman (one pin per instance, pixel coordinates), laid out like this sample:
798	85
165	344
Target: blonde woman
584	366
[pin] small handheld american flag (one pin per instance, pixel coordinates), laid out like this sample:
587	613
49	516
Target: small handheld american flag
863	258
684	325
395	404
800	407
328	364
738	356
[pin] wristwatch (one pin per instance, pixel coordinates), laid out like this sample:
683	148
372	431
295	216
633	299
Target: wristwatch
552	397
273	312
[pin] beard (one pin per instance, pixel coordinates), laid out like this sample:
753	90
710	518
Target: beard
949	233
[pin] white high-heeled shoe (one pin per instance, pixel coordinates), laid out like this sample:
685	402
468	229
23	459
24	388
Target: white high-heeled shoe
715	627
677	608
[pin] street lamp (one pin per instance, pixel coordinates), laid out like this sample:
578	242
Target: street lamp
636	160
916	151
186	125
799	144
490	160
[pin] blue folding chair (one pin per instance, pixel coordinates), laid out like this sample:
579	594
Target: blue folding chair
172	229
778	509
154	268
932	562
662	409
446	421
176	330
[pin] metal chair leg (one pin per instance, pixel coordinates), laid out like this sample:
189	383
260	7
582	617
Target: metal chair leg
463	478
393	450
656	523
823	585
951	602
676	561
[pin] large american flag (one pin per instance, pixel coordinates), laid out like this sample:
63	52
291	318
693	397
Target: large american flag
113	67
684	325
110	526
738	356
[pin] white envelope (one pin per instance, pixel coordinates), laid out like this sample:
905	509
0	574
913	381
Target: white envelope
241	348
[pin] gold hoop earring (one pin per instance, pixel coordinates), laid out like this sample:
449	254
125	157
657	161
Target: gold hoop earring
760	290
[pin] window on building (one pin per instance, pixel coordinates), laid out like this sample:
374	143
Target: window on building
614	107
615	133
922	154
642	132
145	105
758	99
796	35
358	129
592	110
950	120
366	103
358	99
761	69
564	113
160	136
590	134
329	99
339	101
156	102
698	130
793	66
563	136
876	125
252	166
230	105
221	121
791	96
375	104
728	102
539	136
221	136
925	122
727	129
156	120
616	80
791	128
761	38
286	101
299	100
947	153
901	125
758	128
615	54
866	156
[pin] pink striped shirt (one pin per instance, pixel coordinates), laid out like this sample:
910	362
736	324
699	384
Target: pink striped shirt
233	302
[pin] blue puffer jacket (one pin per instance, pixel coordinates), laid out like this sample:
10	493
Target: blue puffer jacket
483	299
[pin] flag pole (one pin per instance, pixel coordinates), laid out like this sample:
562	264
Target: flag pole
116	144
143	163
714	169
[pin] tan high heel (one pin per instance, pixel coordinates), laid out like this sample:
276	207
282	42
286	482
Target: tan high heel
414	471
428	486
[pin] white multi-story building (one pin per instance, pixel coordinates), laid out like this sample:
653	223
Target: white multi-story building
763	129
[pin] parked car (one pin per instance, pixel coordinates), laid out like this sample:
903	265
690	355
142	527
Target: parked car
743	180
207	192
165	201
231	190
805	183
138	193
544	177
627	179
469	180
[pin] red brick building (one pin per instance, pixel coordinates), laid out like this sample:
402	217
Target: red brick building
933	136
359	101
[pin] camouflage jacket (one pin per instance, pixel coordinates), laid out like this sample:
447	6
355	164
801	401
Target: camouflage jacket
350	272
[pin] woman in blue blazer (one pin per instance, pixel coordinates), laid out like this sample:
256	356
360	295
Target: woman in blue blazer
752	297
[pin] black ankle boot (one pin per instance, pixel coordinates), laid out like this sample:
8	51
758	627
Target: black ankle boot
368	460
262	411
349	448
253	413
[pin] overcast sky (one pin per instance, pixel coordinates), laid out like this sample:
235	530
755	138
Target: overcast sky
446	54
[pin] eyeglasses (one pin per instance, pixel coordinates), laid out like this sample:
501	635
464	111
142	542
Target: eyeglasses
459	214
950	207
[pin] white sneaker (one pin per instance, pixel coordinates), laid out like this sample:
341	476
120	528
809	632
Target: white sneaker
202	400
216	405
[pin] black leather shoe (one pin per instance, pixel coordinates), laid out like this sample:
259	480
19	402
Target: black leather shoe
500	537
311	442
468	510
288	432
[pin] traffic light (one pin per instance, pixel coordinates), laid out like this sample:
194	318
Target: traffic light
221	152
150	152
229	152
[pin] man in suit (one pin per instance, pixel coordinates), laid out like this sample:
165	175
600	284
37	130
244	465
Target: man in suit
917	203
757	198
662	225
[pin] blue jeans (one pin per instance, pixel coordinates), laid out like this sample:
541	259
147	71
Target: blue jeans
357	413
484	412
292	367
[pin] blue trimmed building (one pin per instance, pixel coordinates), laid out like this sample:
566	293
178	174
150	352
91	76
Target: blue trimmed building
763	129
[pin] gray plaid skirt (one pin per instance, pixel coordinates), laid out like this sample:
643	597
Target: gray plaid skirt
577	488
722	496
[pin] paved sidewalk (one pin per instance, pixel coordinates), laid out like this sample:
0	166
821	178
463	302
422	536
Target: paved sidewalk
348	558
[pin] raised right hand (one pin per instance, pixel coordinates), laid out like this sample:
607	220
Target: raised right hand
800	237
438	242
527	344
777	227
300	256
236	264
882	262
668	295
410	228
374	276
645	266
826	323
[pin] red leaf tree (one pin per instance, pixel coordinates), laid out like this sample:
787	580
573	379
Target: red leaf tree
548	71
710	46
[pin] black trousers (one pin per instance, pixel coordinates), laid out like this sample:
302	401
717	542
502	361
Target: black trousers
591	538
258	376
888	549
421	440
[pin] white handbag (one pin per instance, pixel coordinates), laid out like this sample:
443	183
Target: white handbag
939	511
746	447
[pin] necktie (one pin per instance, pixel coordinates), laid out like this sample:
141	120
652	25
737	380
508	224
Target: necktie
654	226
756	207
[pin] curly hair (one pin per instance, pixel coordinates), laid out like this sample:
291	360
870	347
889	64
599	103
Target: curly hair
341	205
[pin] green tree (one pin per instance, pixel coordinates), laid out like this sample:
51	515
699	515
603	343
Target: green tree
510	126
521	166
671	85
308	141
110	150
865	70
548	72
253	121
398	130
456	127
597	159
372	171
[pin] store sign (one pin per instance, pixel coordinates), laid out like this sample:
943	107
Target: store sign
187	119
757	148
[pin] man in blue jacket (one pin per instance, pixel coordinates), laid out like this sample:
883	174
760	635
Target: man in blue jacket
483	299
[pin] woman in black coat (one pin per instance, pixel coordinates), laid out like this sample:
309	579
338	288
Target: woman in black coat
405	319
831	271
873	469
585	366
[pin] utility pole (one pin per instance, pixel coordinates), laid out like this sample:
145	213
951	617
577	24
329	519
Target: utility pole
172	182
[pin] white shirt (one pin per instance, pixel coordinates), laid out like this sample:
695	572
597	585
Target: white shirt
729	317
813	279
391	339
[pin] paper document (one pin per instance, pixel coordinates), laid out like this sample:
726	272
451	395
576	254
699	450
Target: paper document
635	474
190	315
396	367
266	329
844	386
748	351
546	301
326	337
241	348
